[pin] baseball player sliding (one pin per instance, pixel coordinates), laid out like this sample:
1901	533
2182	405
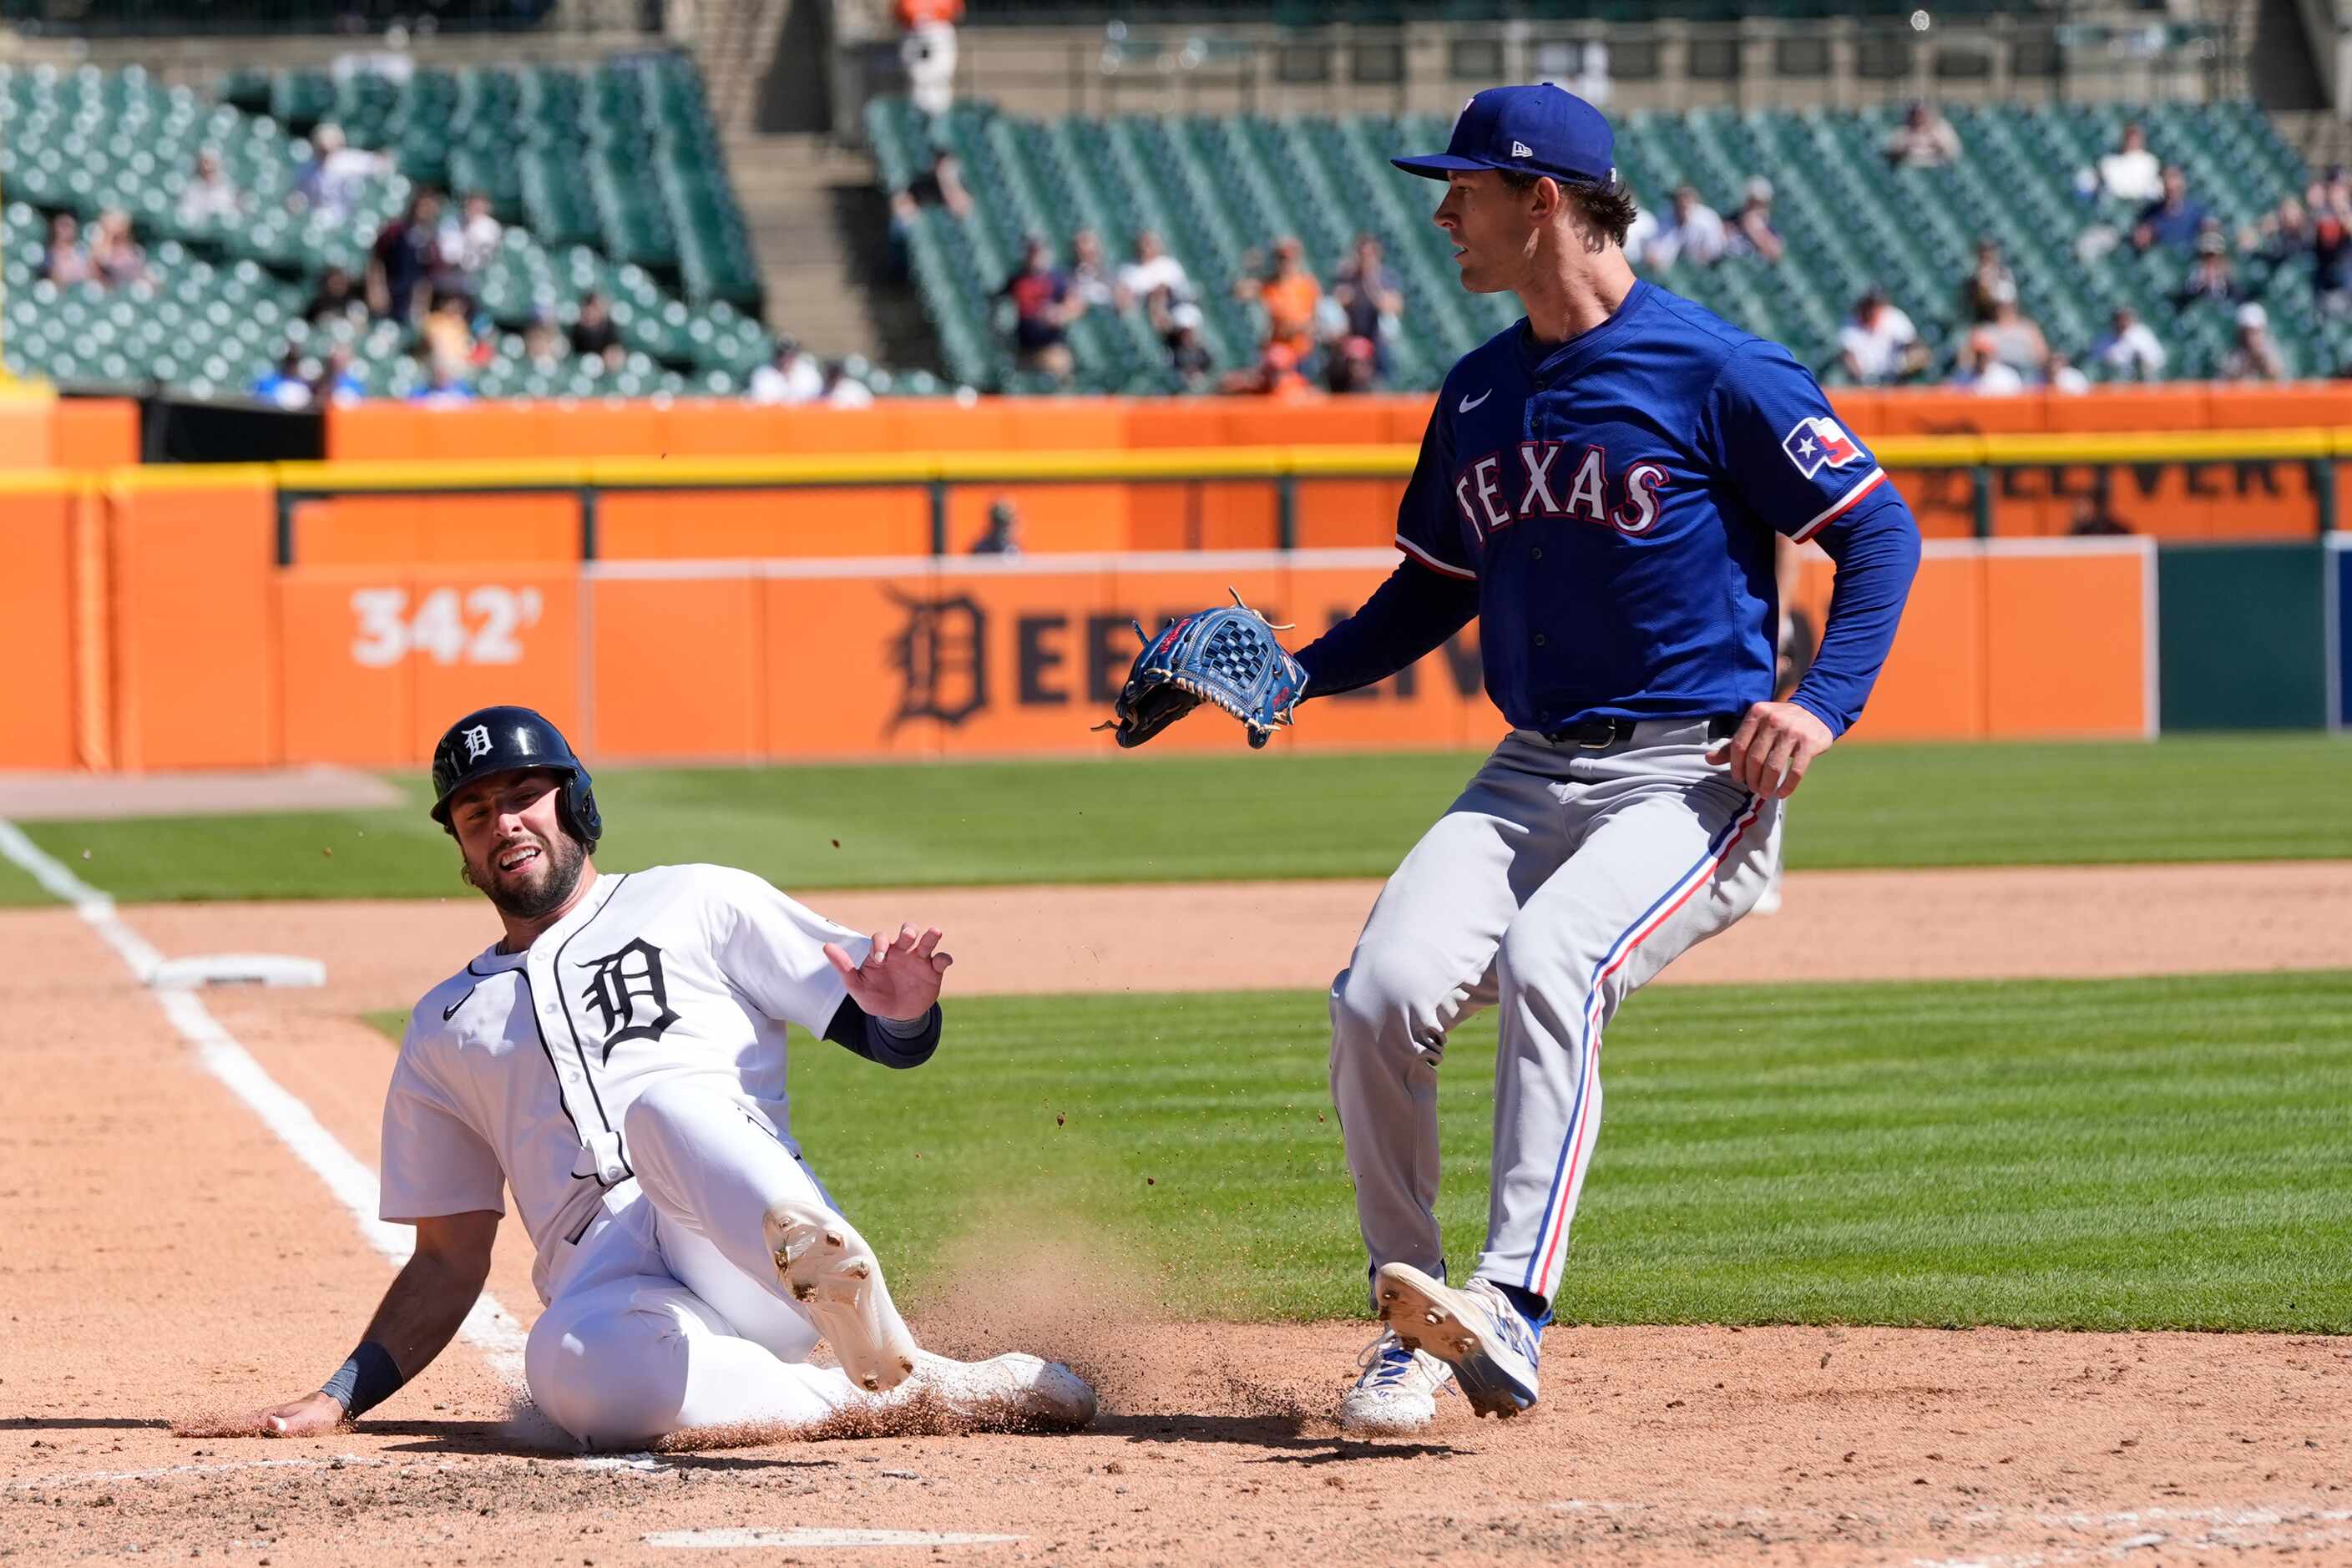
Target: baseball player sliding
1600	485
617	1059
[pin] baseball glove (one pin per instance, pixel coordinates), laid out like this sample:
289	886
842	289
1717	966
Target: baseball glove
1227	656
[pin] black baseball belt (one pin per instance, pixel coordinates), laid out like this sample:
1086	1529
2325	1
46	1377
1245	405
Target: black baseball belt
1600	735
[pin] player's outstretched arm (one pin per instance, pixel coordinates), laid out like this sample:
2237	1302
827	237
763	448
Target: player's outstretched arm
418	1316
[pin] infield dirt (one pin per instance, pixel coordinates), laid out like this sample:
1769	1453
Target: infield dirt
166	1260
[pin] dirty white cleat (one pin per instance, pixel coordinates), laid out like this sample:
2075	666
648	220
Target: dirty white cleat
1476	1331
828	1268
1397	1393
1016	1391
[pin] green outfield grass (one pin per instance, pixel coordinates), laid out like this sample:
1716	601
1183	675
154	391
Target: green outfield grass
2087	1154
1174	819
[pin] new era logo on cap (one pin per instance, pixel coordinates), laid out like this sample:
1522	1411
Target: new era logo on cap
1818	443
1521	150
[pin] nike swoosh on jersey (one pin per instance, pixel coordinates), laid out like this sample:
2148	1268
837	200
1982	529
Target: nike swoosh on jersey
451	1010
1467	404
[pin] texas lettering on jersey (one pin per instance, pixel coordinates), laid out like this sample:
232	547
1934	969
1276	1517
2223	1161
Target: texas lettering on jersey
1484	487
1615	496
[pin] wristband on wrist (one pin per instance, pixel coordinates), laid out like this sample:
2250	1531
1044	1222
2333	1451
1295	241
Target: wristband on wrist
367	1378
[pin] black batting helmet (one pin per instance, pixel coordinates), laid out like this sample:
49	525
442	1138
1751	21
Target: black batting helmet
507	740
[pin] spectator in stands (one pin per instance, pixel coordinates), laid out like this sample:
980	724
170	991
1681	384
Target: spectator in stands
283	384
2331	193
593	335
1372	297
402	261
843	390
927	48
1090	279
2331	259
470	240
1640	234
448	332
336	298
209	196
1752	233
937	183
2061	374
1003	535
1989	285
2129	173
2172	218
2212	278
1042	309
1290	295
1153	277
331	182
445	387
338	380
2254	355
543	347
2016	338
1925	140
2128	348
1275	374
1352	367
2279	235
66	262
1980	368
1691	232
1158	281
1187	354
793	376
1878	344
115	257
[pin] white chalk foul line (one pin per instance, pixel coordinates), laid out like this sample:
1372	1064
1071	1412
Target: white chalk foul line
808	1537
490	1327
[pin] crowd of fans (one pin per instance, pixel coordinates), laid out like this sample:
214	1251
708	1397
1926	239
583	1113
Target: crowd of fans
424	272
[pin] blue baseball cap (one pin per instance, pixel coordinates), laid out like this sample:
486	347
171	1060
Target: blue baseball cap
1541	130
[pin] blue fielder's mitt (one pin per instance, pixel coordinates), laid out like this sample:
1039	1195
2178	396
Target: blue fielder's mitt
1228	657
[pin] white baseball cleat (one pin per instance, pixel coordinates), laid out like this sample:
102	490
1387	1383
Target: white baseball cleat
1018	1390
1397	1393
1476	1331
828	1268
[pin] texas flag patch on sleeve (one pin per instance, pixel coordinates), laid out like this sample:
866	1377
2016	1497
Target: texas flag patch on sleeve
1817	443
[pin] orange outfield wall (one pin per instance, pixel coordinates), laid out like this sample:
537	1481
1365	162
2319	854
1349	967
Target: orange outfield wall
37	626
801	660
72	433
195	621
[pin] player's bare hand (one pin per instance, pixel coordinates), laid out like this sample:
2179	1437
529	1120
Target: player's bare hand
311	1417
1775	743
900	977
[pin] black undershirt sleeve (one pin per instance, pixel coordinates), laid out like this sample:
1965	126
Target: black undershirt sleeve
888	1042
1406	617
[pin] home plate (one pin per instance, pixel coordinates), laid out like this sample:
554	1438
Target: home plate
808	1537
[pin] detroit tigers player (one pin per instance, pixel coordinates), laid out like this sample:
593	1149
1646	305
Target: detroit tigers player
617	1060
1600	485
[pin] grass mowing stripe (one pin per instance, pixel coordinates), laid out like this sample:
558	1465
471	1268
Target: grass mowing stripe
1205	818
2134	1153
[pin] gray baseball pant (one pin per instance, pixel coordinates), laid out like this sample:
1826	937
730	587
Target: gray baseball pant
1560	880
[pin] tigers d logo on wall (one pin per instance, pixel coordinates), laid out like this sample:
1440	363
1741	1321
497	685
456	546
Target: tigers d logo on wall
628	995
942	658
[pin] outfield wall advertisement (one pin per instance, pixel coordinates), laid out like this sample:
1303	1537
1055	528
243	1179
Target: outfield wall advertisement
916	658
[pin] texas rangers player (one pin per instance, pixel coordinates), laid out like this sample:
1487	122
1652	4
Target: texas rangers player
1601	485
617	1059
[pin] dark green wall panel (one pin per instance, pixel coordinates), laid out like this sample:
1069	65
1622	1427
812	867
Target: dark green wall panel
2242	637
